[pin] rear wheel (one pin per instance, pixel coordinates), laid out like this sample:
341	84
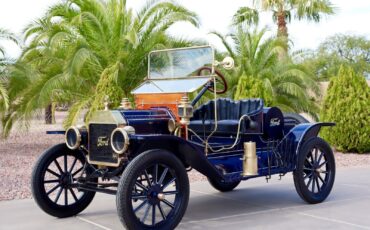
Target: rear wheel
153	192
55	172
223	186
315	173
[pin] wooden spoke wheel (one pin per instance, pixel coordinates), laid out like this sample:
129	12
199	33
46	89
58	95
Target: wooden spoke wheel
53	178
315	173
153	192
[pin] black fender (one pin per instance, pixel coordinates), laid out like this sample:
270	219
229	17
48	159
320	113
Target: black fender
190	153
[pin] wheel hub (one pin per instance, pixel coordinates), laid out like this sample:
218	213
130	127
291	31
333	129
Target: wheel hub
66	180
155	194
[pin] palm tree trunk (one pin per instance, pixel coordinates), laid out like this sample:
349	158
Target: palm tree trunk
49	114
282	32
282	28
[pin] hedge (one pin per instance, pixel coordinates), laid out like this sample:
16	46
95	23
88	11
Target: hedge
347	103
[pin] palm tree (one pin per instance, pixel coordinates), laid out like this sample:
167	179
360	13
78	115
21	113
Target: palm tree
283	11
82	51
4	62
260	73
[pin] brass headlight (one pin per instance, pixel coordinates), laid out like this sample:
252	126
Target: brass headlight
120	140
171	125
73	138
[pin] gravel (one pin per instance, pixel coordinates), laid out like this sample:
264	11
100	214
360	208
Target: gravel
19	152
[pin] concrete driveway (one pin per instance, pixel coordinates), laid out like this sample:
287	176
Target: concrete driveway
255	204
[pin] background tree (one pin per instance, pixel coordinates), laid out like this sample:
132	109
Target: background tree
337	50
285	84
347	103
4	63
283	11
85	50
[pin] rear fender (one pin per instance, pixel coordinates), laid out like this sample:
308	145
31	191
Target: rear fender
191	154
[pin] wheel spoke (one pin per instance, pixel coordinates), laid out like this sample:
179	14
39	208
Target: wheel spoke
52	172
145	214
73	165
316	153
141	186
309	181
313	184
322	180
147	178
51	181
307	175
155	174
171	193
312	160
65	163
322	164
77	171
73	194
168	203
163	176
58	166
65	196
318	184
58	195
168	183
161	211
138	197
53	189
141	206
320	157
308	162
153	215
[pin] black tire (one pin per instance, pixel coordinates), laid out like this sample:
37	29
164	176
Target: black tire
223	186
61	179
140	190
315	173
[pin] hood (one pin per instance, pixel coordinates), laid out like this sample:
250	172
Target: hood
152	121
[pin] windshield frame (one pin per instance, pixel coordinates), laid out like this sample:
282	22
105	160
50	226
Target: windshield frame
179	49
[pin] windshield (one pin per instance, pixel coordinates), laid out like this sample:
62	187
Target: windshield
179	63
176	70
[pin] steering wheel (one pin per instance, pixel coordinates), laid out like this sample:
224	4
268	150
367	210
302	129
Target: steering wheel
219	77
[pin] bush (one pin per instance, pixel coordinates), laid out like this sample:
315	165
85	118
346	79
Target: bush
347	103
250	87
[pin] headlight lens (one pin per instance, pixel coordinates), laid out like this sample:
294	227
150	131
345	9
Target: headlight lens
73	138
120	140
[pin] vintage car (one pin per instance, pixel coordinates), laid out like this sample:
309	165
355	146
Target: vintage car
142	153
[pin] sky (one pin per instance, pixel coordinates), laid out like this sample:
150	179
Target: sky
351	17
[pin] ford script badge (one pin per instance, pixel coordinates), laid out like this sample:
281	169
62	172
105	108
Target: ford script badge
103	141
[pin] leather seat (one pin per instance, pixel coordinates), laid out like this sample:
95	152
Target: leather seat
228	115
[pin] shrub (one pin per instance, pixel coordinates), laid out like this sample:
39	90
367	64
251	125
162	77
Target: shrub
250	87
347	103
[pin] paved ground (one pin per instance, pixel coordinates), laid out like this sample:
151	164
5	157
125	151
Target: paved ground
254	205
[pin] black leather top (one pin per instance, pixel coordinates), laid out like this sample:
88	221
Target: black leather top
228	114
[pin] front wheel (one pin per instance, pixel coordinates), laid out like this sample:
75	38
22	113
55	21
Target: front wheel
315	172
153	192
52	182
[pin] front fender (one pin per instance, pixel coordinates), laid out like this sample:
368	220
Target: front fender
190	153
308	131
293	141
